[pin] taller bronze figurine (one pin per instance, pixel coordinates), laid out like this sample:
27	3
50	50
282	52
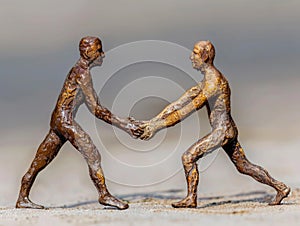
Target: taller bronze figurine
77	89
213	92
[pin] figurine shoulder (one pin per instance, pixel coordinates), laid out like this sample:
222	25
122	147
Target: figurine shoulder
82	76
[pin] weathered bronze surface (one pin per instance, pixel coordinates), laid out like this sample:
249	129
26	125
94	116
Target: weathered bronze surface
77	89
213	92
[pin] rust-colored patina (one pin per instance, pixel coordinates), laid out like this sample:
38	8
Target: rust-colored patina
77	89
213	92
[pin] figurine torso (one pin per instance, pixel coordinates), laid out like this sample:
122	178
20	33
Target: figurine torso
218	104
70	98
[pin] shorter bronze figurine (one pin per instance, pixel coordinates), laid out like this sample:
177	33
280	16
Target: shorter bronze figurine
77	89
213	92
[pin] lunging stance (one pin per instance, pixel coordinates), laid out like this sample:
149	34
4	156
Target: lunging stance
213	92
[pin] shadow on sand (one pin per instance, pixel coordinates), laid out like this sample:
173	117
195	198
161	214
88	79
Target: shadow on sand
174	195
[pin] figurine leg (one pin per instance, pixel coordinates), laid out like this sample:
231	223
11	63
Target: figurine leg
189	159
244	166
46	152
83	143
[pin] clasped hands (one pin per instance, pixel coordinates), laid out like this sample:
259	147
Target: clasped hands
144	130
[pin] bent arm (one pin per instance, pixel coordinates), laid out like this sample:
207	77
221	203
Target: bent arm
182	112
176	111
94	106
192	100
186	98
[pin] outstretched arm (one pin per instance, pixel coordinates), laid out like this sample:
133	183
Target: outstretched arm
94	106
191	100
184	100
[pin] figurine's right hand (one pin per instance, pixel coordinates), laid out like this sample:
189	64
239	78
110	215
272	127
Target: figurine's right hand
149	129
133	127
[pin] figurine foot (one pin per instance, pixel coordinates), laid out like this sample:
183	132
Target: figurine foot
26	203
188	202
280	195
109	200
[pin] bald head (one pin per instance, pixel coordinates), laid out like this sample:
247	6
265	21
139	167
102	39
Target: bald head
90	48
205	50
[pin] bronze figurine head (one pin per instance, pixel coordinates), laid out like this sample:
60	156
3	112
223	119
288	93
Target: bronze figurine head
203	53
91	50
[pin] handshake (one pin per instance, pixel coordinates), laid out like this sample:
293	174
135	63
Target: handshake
143	130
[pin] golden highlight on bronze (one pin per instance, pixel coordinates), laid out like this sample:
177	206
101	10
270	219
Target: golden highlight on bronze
213	92
77	89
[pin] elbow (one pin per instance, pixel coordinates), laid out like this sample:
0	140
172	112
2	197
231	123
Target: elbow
92	108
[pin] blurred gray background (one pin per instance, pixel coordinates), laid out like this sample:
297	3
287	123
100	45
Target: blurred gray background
258	50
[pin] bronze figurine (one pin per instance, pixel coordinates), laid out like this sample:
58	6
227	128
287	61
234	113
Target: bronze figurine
214	93
77	89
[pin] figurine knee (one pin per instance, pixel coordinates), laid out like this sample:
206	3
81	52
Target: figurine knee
92	157
84	144
230	134
218	138
189	158
186	158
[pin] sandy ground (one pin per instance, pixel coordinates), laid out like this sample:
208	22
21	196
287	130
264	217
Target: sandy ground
224	195
247	208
